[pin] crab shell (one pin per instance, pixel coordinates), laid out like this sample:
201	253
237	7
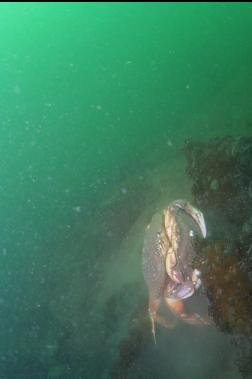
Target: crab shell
184	279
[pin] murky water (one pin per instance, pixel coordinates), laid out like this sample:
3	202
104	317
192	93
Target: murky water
96	103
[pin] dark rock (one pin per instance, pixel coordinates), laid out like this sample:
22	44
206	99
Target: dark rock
221	174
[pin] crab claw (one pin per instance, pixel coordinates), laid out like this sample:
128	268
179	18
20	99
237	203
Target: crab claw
194	213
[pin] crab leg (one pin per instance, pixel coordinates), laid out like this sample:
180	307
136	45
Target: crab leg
177	307
154	306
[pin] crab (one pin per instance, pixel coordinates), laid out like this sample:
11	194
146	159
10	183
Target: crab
168	255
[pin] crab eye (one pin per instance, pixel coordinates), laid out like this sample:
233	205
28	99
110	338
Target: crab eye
191	233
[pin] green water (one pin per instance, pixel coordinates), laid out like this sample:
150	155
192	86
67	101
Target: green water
92	98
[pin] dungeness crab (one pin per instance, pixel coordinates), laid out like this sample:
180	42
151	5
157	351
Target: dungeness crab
168	256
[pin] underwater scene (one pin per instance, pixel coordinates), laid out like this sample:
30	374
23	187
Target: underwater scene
126	190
